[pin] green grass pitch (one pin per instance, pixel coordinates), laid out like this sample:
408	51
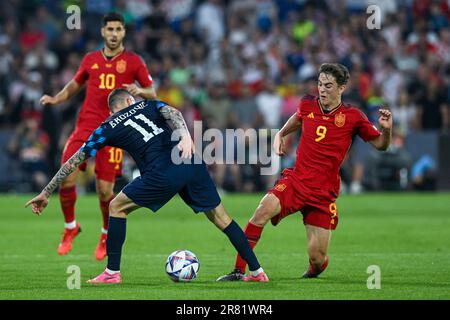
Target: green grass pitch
406	235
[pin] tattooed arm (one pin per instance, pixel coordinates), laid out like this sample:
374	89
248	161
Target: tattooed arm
176	118
70	166
186	145
39	203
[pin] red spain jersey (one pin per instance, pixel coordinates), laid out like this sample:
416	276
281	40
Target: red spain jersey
324	142
102	75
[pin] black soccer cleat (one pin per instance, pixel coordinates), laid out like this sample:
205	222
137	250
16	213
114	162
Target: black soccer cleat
235	275
314	273
308	275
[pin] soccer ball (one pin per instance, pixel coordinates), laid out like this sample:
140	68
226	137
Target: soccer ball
182	266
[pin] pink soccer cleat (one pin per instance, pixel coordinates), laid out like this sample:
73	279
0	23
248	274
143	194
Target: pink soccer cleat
261	277
105	277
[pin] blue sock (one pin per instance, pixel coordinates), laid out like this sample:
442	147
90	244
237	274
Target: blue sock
116	237
240	242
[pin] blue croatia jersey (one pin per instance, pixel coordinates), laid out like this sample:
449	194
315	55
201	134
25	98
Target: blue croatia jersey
139	129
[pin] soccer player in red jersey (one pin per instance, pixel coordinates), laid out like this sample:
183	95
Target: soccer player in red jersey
312	186
102	71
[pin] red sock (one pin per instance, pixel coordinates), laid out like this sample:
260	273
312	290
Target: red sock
253	233
104	207
313	270
67	198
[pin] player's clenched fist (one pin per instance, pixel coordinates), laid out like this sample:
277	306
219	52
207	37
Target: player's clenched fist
47	100
278	144
385	119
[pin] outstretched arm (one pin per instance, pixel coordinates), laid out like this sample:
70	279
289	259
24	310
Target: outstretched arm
186	144
39	203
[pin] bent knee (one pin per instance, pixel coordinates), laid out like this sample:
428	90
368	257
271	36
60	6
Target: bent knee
115	209
261	216
104	192
219	217
267	209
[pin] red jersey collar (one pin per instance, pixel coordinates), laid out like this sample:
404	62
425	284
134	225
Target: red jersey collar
113	58
331	111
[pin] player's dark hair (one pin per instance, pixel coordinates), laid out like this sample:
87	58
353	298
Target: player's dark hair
117	96
113	16
338	71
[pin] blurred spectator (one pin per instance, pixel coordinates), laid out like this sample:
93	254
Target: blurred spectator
31	35
170	94
269	105
374	102
176	11
29	146
122	7
245	109
405	61
265	13
152	28
28	105
197	63
41	58
303	27
210	21
6	65
47	24
195	90
405	111
437	18
180	73
216	109
423	173
139	9
390	81
433	109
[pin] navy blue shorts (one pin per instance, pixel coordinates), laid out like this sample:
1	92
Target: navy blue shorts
191	181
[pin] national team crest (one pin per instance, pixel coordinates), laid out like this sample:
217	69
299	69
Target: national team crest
121	66
339	119
280	187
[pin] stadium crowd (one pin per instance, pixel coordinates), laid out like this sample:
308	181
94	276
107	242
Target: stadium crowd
232	64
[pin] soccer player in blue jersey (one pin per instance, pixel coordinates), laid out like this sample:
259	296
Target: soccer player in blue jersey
142	130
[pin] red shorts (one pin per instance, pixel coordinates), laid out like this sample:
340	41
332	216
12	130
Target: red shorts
317	211
108	160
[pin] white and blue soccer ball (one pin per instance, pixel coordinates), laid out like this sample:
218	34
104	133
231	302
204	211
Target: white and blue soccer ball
182	266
